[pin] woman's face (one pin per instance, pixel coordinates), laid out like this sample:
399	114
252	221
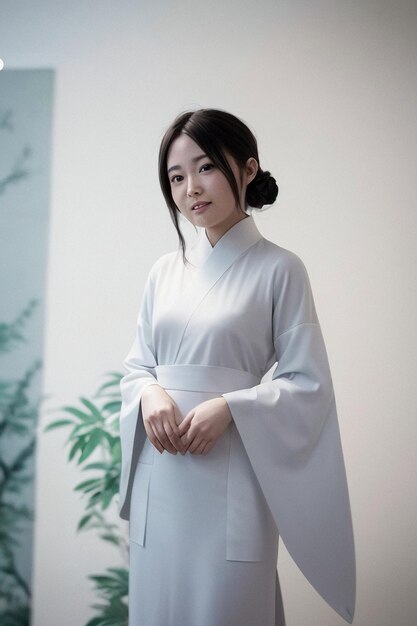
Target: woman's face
195	179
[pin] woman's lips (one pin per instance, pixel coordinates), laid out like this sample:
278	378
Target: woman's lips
201	207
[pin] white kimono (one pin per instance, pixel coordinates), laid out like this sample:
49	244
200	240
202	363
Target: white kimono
204	529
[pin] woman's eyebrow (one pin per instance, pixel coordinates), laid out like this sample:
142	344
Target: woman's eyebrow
194	160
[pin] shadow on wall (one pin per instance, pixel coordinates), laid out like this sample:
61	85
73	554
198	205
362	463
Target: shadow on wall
18	418
25	121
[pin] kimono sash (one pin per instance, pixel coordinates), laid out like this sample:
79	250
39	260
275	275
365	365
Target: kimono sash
205	378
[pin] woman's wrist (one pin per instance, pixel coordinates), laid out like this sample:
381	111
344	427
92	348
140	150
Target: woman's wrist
144	392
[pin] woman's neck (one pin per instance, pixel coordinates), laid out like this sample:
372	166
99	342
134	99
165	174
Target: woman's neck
215	233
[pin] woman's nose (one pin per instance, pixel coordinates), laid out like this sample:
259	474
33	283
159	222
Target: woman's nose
193	187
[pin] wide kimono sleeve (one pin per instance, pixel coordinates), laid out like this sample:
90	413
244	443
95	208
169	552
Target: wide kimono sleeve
139	363
289	427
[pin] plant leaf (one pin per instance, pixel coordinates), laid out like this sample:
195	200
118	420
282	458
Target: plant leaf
94	410
80	414
83	521
57	424
92	443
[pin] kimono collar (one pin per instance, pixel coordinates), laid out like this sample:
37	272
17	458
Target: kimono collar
240	235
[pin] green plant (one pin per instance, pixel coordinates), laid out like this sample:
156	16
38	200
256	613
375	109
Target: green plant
112	588
95	430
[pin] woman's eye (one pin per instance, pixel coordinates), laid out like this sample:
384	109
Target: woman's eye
173	179
206	166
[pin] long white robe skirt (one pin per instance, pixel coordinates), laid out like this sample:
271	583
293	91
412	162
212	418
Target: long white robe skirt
182	532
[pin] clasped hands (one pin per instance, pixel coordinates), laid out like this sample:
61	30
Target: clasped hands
196	433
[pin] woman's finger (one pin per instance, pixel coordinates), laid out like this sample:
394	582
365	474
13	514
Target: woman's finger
201	447
188	438
195	444
153	438
162	437
185	424
207	447
173	437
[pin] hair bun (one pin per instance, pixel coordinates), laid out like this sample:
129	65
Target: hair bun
263	189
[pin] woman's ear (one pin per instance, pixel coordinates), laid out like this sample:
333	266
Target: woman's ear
251	169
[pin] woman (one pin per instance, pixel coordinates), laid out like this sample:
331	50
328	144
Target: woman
257	458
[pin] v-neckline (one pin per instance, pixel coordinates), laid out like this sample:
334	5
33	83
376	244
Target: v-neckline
244	229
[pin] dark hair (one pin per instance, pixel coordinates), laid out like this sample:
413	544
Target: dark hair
217	132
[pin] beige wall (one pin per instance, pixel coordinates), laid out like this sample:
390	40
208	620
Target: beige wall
330	90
